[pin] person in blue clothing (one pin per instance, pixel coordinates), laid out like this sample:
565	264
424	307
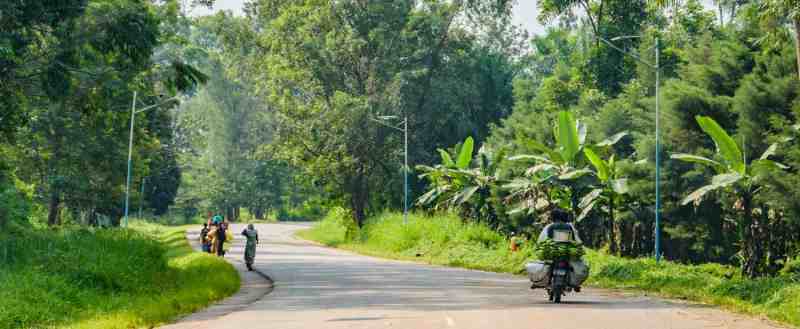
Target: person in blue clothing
204	239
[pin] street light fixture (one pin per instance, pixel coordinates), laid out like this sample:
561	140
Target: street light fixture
130	149
656	66
382	120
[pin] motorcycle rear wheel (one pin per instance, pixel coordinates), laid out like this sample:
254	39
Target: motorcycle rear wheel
556	294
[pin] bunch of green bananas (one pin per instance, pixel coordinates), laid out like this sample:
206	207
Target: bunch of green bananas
551	250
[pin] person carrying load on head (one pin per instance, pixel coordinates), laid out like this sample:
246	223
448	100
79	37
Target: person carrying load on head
251	234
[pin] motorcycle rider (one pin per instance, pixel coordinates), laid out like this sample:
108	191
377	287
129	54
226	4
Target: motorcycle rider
562	230
561	222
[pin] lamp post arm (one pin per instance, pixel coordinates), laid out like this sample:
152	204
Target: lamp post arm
147	108
388	125
634	56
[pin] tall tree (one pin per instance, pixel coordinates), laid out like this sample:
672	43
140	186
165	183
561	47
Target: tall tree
777	13
331	68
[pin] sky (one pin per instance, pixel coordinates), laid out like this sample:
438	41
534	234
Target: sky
525	12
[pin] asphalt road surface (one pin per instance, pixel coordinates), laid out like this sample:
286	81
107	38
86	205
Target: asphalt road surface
317	287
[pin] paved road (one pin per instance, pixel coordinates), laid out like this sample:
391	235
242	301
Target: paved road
317	287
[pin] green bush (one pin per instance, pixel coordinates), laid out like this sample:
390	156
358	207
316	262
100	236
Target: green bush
15	198
334	229
117	278
791	269
778	298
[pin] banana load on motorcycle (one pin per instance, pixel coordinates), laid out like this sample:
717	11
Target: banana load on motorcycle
559	267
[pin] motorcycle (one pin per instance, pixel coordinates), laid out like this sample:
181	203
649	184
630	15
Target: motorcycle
557	277
559	280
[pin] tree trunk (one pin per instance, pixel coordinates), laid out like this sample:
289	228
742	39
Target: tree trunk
358	199
752	241
92	217
797	44
229	213
612	238
259	213
636	239
54	209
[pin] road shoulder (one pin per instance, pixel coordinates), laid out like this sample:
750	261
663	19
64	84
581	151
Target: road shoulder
254	286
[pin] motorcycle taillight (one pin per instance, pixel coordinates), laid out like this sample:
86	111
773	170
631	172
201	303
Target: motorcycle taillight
563	264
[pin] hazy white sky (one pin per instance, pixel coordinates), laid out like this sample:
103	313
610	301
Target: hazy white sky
525	12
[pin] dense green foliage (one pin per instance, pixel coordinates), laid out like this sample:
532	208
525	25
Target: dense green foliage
224	131
446	240
70	69
745	90
82	278
330	69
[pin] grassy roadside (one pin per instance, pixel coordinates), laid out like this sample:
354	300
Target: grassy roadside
77	278
446	240
443	241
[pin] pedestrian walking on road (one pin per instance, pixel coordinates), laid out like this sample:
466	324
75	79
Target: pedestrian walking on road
204	238
251	234
211	238
221	237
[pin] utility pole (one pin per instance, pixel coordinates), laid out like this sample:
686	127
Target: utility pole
405	171
130	151
658	158
657	67
382	121
130	155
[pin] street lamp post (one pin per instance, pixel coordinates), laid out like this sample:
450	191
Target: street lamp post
130	150
656	66
404	129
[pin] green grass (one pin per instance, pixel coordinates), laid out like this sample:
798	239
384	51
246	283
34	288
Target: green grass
447	240
777	298
79	278
443	240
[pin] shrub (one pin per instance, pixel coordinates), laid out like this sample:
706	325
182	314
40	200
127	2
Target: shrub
118	278
335	228
15	198
791	269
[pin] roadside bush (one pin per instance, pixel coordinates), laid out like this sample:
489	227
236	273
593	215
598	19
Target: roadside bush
791	269
333	229
121	278
778	298
15	198
442	239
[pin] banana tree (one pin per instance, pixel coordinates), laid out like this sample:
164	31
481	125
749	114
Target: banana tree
609	188
553	178
456	185
744	180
